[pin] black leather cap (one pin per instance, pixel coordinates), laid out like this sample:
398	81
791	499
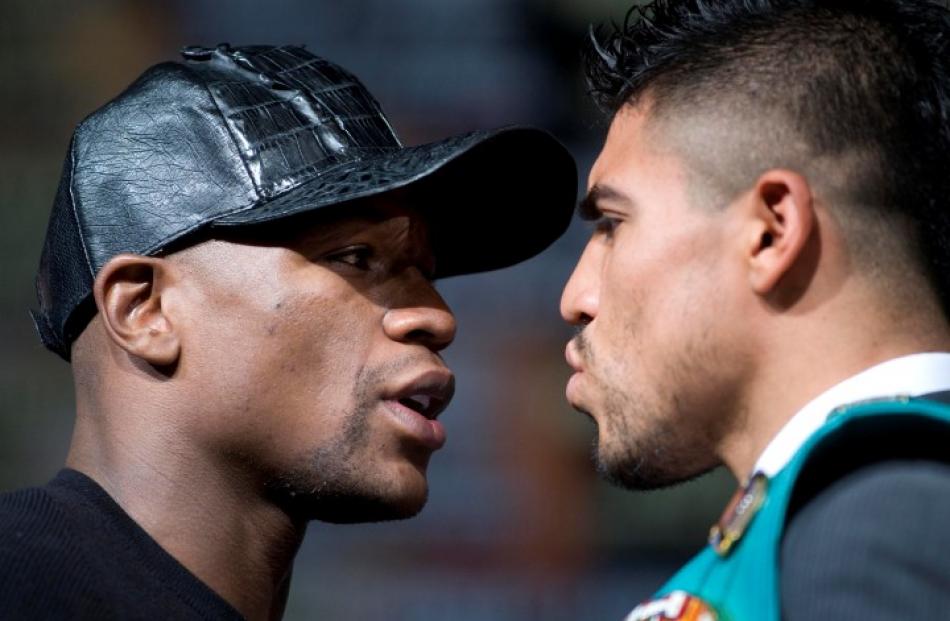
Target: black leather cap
236	136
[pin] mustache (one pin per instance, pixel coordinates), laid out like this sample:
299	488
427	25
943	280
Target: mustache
581	344
370	380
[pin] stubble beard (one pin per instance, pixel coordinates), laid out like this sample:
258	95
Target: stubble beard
334	484
645	447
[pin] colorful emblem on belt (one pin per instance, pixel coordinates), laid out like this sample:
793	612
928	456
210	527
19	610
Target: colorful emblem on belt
738	515
677	606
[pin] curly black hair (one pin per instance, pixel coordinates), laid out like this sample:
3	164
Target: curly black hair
839	77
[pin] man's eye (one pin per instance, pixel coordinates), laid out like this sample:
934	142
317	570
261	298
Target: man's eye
607	226
357	257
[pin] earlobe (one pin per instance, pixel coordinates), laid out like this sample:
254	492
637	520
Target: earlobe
129	292
783	219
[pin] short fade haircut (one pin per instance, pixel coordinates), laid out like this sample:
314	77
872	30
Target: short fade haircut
854	94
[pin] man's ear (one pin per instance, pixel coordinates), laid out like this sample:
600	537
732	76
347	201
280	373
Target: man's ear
129	292
782	221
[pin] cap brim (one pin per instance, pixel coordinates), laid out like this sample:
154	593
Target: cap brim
492	198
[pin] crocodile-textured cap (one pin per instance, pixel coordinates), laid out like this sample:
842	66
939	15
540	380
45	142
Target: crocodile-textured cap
235	136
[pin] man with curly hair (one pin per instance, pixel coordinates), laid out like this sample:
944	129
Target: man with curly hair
767	288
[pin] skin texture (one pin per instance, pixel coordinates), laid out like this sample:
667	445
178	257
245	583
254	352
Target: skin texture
704	324
637	350
254	384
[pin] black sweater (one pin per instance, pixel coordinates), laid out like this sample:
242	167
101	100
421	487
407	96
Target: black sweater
68	551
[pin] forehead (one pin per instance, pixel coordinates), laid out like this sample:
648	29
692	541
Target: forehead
636	157
624	146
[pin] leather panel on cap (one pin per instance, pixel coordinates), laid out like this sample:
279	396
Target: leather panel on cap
298	115
171	150
65	274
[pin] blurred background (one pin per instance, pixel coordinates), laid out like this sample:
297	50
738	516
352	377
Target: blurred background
518	527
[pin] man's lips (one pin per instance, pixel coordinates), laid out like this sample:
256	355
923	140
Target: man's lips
572	357
416	403
427	394
572	390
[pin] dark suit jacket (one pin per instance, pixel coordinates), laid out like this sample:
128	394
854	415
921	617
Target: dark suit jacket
871	541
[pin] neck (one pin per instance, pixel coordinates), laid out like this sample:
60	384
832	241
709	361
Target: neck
218	526
802	363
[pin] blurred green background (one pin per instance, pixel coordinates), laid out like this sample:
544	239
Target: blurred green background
518	527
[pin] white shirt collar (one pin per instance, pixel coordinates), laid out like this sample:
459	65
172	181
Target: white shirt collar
908	376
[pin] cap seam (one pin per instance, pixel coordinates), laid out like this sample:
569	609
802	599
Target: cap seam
314	173
306	63
247	169
176	235
284	135
72	206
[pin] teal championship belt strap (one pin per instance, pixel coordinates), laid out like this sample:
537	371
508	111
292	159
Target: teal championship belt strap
736	577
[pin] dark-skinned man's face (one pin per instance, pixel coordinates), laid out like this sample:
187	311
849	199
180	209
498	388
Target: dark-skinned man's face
314	354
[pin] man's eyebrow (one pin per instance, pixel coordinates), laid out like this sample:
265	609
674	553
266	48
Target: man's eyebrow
588	208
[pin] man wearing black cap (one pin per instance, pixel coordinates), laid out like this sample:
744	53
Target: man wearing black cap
239	267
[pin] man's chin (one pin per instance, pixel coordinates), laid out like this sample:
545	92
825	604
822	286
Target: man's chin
350	508
636	473
367	510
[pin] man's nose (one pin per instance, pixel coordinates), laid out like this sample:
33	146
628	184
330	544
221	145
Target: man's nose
422	318
581	296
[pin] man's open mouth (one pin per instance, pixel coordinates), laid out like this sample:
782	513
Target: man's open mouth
428	394
425	404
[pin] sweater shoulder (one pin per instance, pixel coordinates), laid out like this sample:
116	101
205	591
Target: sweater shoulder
31	518
40	560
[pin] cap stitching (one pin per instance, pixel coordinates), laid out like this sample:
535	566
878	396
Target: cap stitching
72	205
307	63
227	127
318	171
283	136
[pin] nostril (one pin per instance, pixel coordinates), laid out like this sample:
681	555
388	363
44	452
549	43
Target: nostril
419	335
433	340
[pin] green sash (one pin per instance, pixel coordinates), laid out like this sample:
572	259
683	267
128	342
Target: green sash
740	581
